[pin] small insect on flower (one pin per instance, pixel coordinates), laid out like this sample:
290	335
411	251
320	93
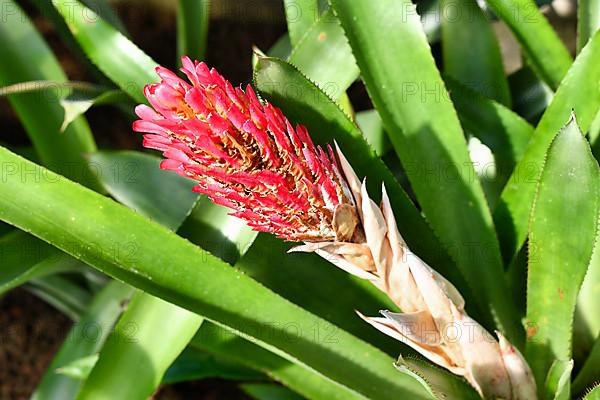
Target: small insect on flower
246	155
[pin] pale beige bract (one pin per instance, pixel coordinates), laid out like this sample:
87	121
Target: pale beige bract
433	320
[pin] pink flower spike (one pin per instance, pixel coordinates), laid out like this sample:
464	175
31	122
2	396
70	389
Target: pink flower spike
245	155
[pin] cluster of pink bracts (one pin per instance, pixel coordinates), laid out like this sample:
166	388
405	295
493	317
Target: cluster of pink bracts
246	155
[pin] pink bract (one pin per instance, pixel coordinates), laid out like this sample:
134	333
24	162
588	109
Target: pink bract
243	153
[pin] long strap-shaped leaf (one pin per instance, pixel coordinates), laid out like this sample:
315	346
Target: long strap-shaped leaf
195	364
192	28
62	293
25	257
530	95
151	334
588	21
167	266
40	112
588	374
542	46
593	393
115	55
300	15
218	341
151	331
289	274
586	335
409	94
269	391
568	195
324	56
164	329
85	338
499	128
478	64
578	92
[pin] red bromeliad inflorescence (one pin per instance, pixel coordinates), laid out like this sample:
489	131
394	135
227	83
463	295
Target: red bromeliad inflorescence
245	155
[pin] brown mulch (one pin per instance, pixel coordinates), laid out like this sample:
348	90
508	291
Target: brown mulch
31	332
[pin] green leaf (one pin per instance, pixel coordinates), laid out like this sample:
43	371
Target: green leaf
327	123
325	57
430	12
425	131
589	373
5	228
577	92
516	274
135	180
193	364
115	55
25	257
40	113
530	95
211	227
76	105
266	391
85	338
193	17
167	266
298	377
289	275
477	65
300	15
63	294
593	394
138	340
540	43
567	195
166	329
503	131
558	381
440	383
80	368
42	85
586	329
371	126
80	97
588	21
104	10
594	133
281	49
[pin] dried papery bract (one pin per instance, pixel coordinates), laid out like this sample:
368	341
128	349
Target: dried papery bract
246	155
433	321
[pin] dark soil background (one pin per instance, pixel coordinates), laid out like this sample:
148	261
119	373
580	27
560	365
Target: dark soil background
30	330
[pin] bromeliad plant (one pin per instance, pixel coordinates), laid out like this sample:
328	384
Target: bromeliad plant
465	254
247	156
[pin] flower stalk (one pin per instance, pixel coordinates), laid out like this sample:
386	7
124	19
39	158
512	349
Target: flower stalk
245	154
